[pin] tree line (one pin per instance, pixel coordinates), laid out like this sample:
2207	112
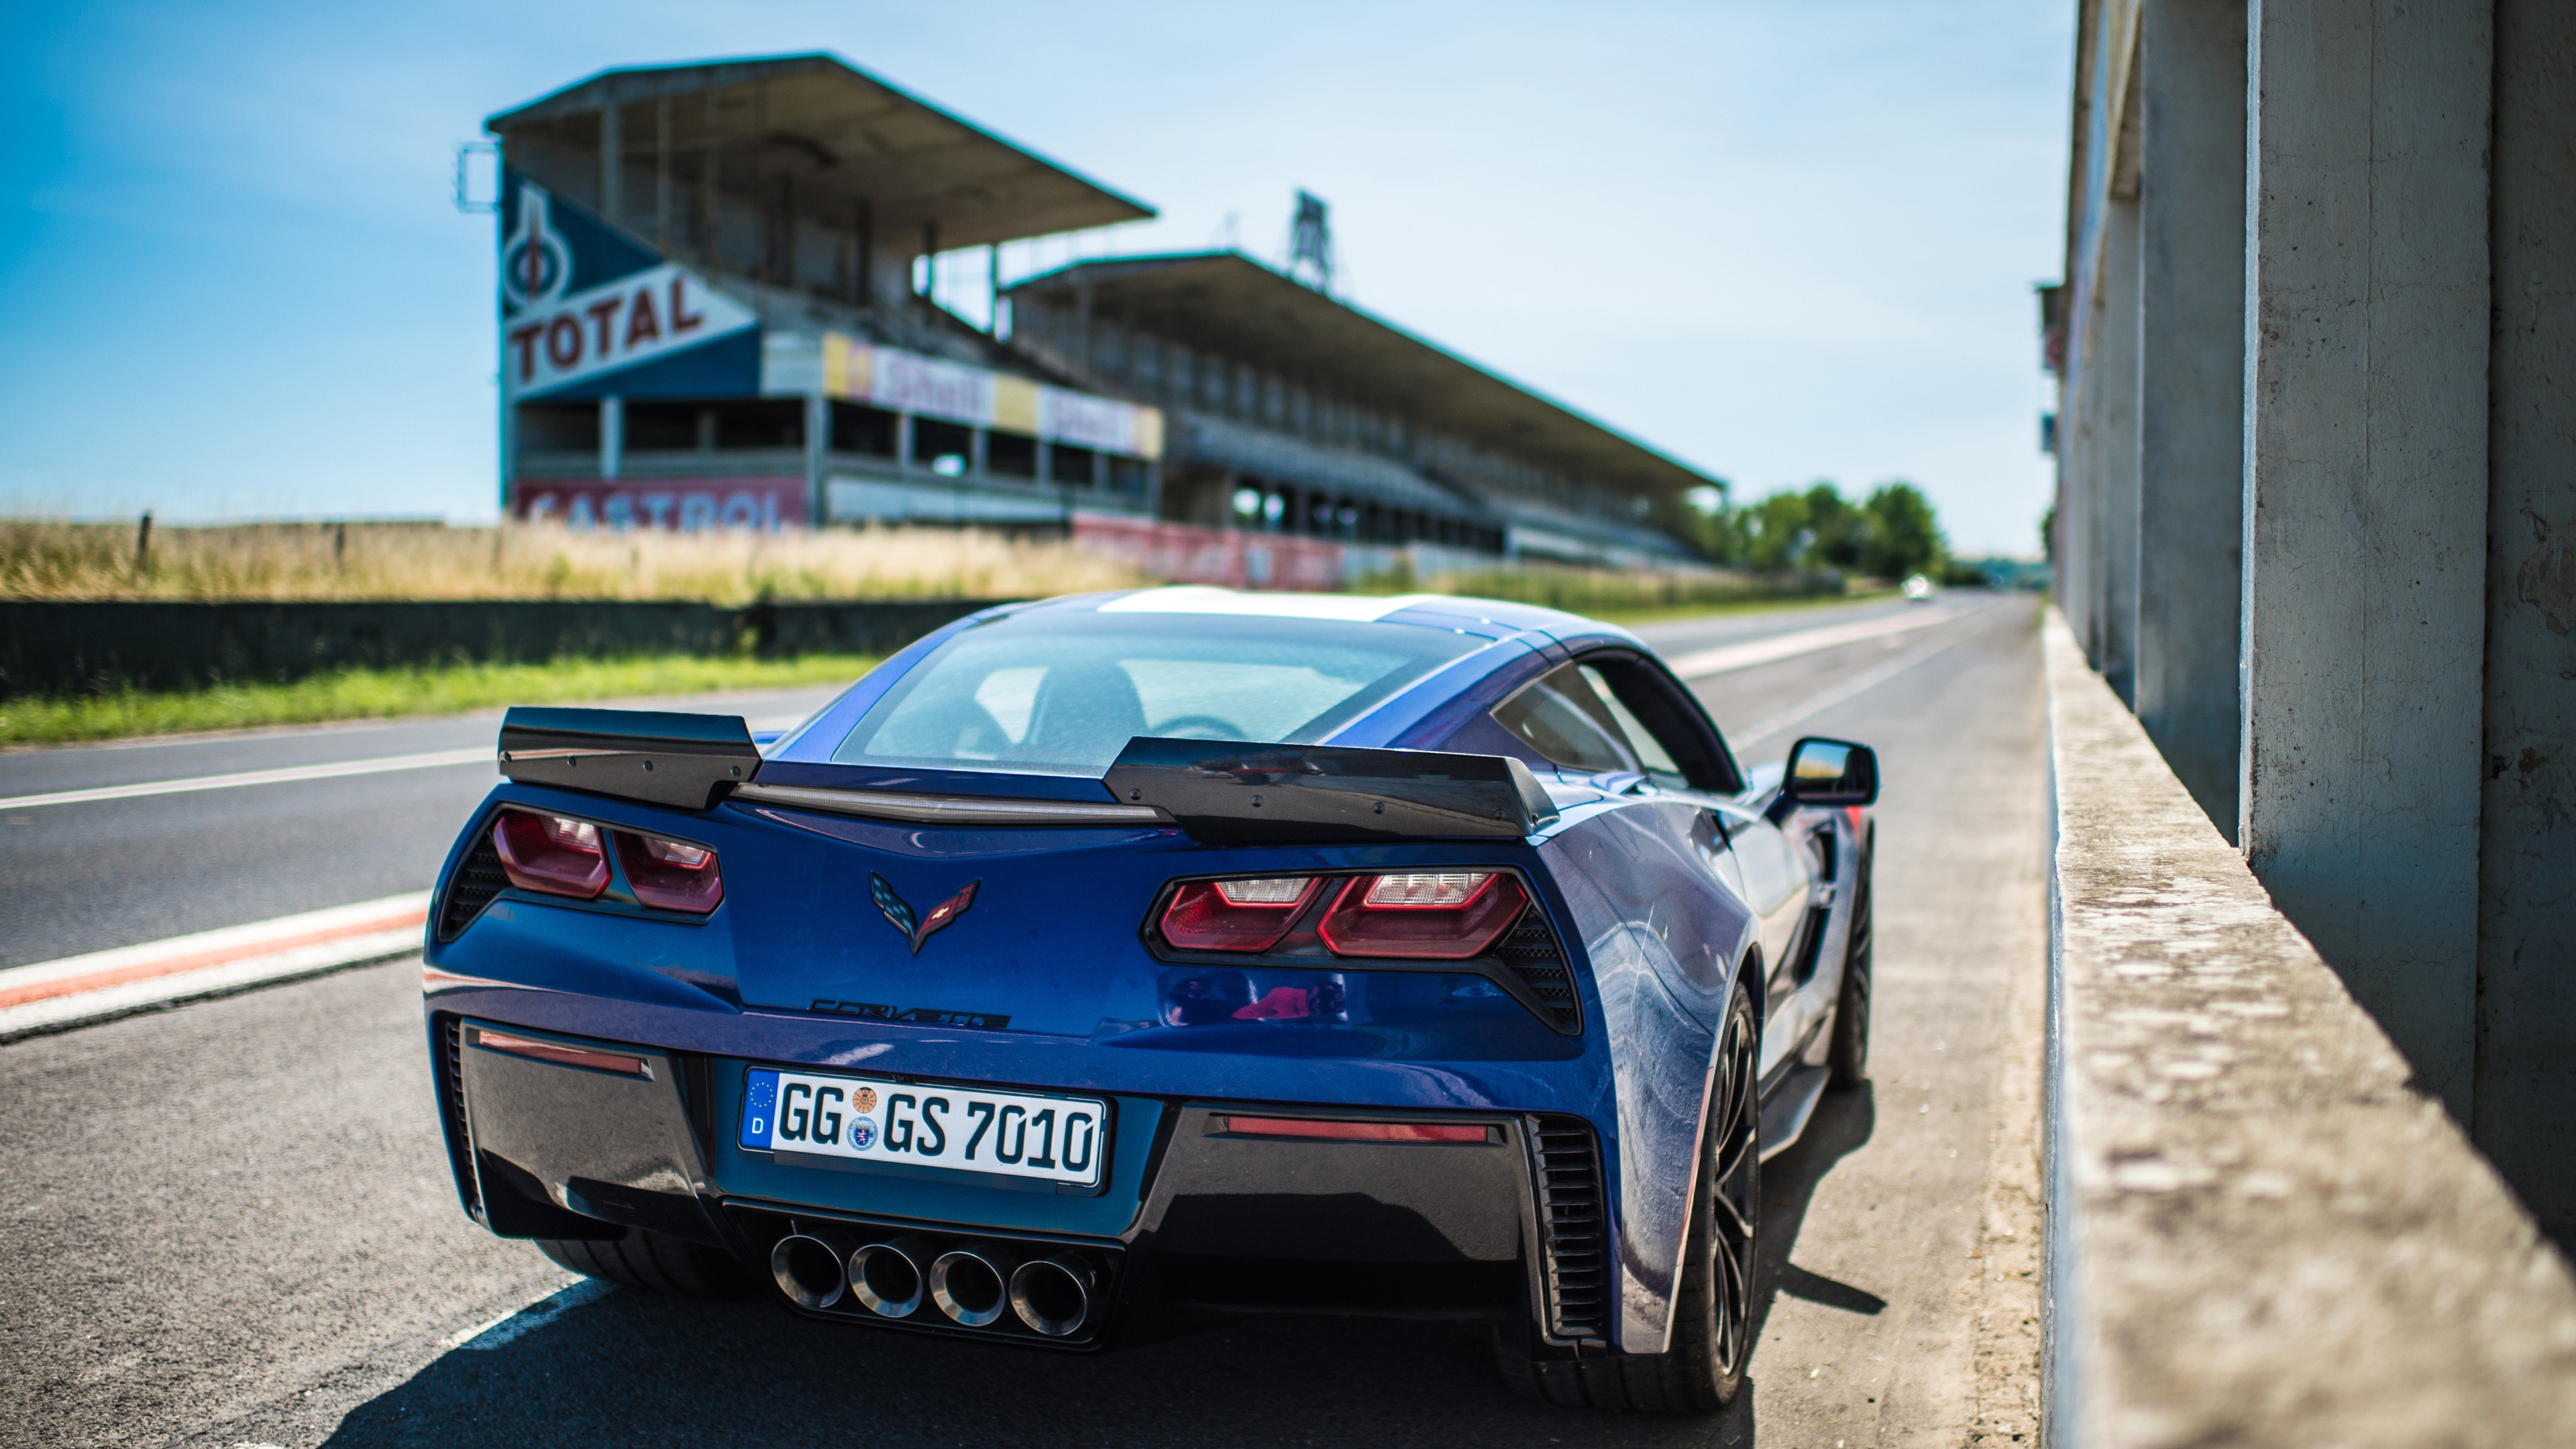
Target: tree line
1889	534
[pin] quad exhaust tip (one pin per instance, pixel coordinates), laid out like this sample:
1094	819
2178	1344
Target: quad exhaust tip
1052	1295
819	1267
968	1287
807	1265
887	1279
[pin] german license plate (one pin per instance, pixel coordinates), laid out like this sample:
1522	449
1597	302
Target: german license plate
862	1119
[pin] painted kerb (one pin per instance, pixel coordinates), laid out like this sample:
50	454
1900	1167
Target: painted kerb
2261	1232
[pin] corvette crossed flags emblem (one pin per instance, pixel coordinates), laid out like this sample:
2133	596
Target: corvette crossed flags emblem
898	912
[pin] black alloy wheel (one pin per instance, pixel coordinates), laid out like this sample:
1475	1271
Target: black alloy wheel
1850	1055
1712	1335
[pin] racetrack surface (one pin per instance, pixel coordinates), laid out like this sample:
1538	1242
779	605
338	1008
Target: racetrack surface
231	1223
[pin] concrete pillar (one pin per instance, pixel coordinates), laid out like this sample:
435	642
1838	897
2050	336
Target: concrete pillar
2191	391
2366	498
2078	462
2526	1077
612	436
2115	377
818	458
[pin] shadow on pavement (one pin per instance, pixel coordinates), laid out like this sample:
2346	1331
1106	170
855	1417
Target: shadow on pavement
633	1368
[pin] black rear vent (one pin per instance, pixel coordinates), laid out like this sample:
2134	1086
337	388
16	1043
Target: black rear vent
1566	1163
472	888
451	1100
1535	957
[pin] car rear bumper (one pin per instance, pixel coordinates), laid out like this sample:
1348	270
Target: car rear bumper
562	1135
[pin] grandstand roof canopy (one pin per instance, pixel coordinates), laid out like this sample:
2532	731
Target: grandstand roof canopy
848	137
1229	304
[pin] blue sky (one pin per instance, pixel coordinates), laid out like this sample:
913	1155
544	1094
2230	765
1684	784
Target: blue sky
1781	241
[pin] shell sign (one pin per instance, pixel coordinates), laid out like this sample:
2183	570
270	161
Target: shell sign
586	311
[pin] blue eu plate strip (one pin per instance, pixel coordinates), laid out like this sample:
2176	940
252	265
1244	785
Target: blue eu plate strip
759	1109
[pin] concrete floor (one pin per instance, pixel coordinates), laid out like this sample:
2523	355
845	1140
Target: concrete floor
231	1223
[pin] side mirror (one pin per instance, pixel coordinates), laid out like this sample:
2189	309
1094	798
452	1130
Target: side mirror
1830	772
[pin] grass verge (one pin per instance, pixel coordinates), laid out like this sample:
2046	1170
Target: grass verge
392	693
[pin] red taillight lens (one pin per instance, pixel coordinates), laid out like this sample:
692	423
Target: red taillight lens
1236	915
550	853
671	874
1425	915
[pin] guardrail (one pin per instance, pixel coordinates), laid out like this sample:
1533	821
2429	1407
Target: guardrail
2259	1233
56	647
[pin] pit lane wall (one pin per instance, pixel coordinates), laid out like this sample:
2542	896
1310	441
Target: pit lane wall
2259	1232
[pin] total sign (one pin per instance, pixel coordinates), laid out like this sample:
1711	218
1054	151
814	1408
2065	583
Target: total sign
586	311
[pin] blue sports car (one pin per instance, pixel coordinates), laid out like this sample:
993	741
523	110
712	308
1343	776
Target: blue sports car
1415	955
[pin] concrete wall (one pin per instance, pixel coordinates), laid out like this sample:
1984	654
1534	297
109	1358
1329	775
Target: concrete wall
2365	489
2191	390
2258	1232
2525	1092
2354	606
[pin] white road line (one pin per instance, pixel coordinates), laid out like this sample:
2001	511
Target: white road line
555	1304
1860	683
431	760
1705	662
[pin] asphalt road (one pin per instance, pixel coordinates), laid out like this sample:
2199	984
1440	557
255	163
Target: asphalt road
231	1223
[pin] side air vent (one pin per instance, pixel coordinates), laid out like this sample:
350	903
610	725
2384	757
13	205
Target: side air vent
1566	1167
1533	955
472	888
451	1098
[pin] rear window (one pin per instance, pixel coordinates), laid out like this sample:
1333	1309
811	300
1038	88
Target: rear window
1062	692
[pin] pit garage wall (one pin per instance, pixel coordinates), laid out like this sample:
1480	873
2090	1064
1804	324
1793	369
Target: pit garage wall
2318	495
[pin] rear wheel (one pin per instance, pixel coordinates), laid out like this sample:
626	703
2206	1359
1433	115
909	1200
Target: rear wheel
1850	1056
1713	1306
654	1261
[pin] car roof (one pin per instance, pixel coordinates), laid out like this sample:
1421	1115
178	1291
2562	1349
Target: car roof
1438	611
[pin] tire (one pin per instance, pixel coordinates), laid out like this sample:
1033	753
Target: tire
655	1262
1703	1371
1850	1054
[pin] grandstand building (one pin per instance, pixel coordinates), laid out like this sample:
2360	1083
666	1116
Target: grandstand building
715	314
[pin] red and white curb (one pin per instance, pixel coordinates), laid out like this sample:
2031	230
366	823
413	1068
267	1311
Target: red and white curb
79	990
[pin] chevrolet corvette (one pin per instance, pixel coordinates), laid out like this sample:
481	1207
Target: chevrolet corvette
1265	952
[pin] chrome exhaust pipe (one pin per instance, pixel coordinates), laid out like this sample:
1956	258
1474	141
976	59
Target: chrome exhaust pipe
807	1266
1053	1295
887	1278
969	1287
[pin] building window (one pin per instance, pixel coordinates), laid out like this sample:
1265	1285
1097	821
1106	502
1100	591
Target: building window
1068	464
857	428
1012	455
943	448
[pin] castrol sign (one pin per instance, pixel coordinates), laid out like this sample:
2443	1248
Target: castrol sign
580	303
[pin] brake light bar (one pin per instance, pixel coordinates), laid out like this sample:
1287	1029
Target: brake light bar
1321	1129
562	1054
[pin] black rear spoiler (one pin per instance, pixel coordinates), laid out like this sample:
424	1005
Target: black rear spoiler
1228	792
687	760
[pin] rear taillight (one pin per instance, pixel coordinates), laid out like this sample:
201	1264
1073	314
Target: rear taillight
671	874
1236	915
551	854
1445	915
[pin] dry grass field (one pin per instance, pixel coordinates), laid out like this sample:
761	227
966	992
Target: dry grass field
42	559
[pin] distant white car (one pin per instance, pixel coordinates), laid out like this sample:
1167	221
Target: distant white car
1919	589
